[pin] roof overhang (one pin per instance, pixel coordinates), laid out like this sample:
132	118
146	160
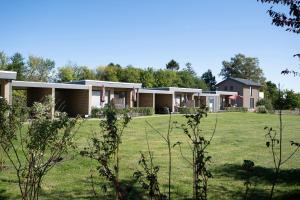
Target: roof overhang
178	89
8	75
151	91
28	84
109	84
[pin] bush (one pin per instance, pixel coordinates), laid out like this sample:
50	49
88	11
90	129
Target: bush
96	112
261	109
163	110
265	102
236	109
187	110
135	111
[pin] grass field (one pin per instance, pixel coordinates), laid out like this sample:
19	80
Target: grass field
239	136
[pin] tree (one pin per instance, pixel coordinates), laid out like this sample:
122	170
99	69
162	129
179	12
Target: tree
241	66
84	73
209	79
166	78
3	60
40	69
186	79
289	19
190	69
66	74
172	65
147	77
108	73
43	143
130	74
17	64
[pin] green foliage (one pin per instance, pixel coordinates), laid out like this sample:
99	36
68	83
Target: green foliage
209	79
166	78
39	69
147	78
172	65
187	110
148	176
201	159
261	109
241	66
130	74
162	110
42	146
236	109
104	148
134	111
3	61
17	64
287	100
66	74
266	103
108	73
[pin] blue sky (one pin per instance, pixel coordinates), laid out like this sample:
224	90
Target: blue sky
149	33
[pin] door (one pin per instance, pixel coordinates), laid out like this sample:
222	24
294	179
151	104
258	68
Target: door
251	103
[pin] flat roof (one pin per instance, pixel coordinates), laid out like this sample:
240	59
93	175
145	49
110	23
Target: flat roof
107	84
8	75
29	84
151	91
179	89
220	93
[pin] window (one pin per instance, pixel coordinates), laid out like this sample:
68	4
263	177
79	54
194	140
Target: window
225	88
251	102
231	88
250	91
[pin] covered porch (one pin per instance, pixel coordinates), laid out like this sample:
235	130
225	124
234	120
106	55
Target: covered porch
72	99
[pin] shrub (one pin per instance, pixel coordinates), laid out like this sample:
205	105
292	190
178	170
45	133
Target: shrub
96	112
236	109
187	110
135	111
261	109
265	102
163	110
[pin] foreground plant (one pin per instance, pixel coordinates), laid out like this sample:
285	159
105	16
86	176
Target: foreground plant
104	148
166	138
35	150
274	142
200	158
148	176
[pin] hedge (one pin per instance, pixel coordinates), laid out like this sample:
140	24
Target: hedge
136	111
236	109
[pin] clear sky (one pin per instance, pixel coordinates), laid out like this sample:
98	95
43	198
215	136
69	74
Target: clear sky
149	33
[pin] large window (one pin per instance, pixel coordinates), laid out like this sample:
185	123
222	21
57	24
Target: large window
231	88
251	102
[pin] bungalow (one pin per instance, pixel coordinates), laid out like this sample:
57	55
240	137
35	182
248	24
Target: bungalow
103	92
6	78
79	97
247	91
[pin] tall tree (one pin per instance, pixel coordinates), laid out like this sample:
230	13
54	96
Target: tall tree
66	74
147	77
40	69
241	66
209	79
172	65
190	69
166	78
84	73
3	60
17	64
289	19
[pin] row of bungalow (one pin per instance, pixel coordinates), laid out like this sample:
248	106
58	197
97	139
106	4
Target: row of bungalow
79	97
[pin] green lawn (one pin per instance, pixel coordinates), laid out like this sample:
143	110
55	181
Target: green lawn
239	136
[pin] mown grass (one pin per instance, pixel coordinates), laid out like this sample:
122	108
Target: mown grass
239	136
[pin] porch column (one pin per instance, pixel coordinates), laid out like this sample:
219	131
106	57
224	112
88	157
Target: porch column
53	102
90	100
137	98
173	103
153	99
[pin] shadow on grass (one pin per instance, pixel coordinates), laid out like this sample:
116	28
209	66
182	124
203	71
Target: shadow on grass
128	186
3	195
262	174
